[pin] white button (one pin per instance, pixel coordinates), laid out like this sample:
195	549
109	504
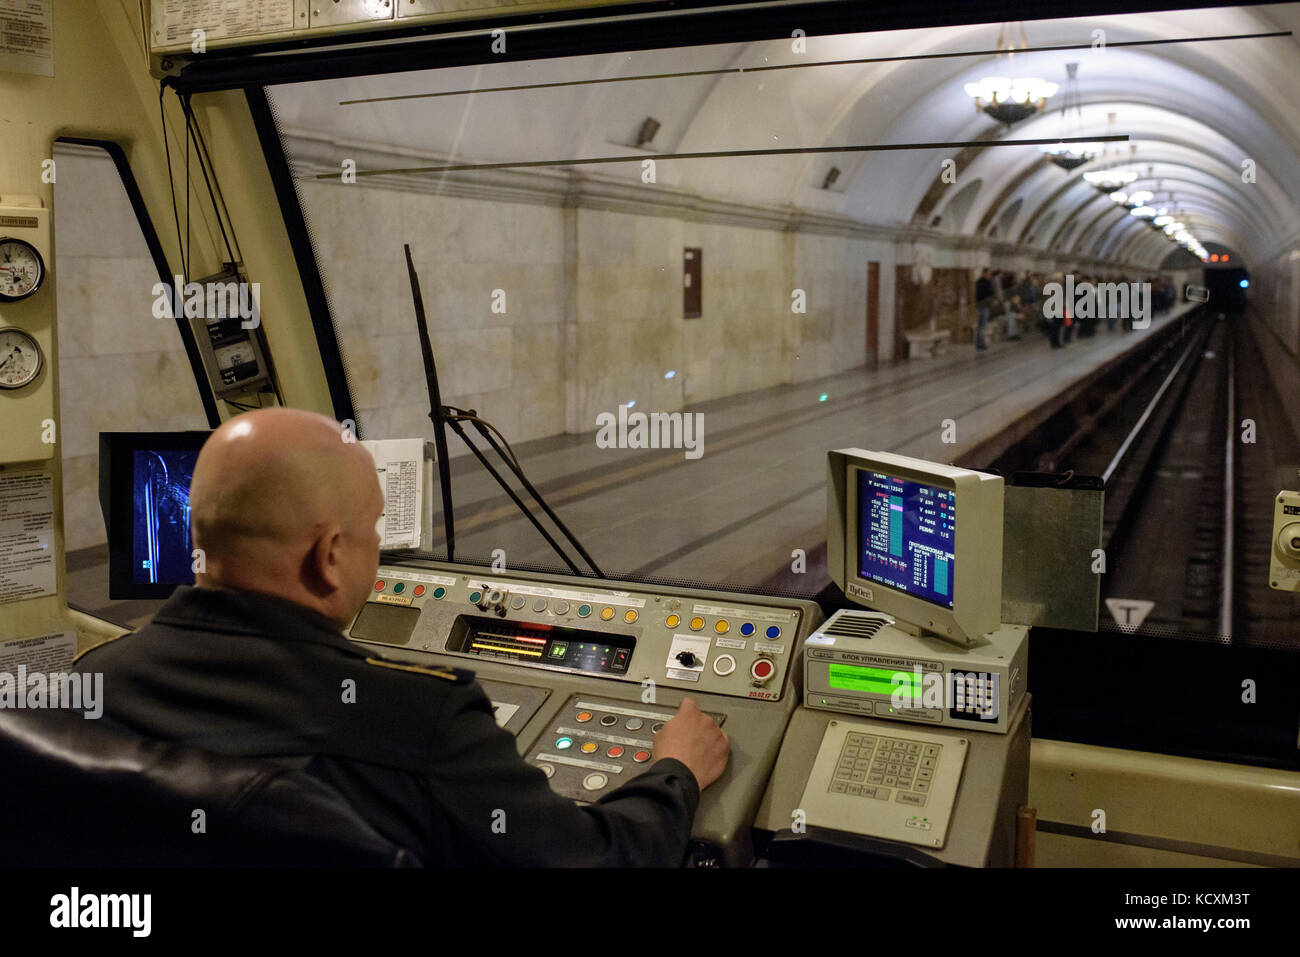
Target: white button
724	665
547	769
594	782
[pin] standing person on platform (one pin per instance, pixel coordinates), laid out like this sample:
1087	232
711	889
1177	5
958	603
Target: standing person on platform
983	302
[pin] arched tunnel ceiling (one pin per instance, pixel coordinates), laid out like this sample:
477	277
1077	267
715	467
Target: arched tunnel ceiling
1194	110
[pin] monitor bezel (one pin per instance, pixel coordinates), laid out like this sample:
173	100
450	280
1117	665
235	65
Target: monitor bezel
116	473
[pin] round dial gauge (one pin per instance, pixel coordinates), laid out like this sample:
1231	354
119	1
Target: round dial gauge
21	269
20	359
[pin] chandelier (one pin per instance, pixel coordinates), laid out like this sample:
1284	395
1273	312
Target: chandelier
1070	156
1010	100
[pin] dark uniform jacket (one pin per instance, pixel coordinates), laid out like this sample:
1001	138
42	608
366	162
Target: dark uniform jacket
416	751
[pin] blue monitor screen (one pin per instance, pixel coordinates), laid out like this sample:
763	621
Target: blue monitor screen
160	536
906	536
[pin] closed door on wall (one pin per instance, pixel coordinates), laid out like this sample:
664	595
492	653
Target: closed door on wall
873	313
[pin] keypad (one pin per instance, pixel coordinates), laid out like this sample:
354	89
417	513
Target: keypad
874	766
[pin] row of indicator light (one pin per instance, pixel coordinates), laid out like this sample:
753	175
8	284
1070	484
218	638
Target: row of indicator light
417	591
722	626
584	610
591	747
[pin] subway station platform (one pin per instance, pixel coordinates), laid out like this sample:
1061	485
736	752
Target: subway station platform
736	514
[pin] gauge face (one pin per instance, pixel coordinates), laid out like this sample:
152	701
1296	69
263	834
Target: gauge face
21	269
20	359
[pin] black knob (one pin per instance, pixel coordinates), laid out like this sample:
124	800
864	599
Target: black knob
688	659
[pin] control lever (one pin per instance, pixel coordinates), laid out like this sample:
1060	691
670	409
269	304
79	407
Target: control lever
688	659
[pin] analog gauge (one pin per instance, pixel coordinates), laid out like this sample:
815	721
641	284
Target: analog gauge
20	359
21	269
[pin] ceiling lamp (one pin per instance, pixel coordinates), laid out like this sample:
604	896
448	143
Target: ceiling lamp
1119	196
1143	212
1107	180
1070	156
1141	197
1010	100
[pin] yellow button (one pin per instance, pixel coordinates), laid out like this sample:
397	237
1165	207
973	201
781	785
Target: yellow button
673	621
588	747
607	613
629	616
722	627
697	623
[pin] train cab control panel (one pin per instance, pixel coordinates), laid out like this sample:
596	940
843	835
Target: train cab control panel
584	671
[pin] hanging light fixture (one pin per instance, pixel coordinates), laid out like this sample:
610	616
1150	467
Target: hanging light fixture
1070	156
1010	100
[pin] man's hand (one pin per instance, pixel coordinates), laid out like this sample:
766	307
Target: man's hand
694	739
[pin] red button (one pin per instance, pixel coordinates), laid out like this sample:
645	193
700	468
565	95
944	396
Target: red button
615	751
641	757
762	668
584	716
419	590
379	585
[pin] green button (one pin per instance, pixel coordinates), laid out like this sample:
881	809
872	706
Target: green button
584	611
440	592
399	587
564	743
475	597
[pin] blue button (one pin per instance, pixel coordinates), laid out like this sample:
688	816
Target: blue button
475	597
747	629
774	632
439	592
564	743
584	611
399	587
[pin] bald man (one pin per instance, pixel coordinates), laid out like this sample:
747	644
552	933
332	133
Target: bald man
252	661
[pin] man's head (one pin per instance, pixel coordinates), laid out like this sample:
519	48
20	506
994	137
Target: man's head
281	504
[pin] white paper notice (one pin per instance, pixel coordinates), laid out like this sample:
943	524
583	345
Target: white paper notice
400	466
48	654
27	36
26	536
174	21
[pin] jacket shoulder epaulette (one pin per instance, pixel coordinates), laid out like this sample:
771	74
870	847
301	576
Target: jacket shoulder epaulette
458	676
100	644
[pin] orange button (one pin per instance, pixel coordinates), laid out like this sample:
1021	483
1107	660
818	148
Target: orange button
722	627
697	623
607	613
641	757
629	616
615	751
588	747
673	621
584	715
379	585
419	590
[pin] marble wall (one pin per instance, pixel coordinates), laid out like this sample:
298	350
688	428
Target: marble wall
543	316
120	369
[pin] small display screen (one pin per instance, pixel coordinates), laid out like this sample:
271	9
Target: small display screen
866	680
162	552
906	536
545	645
390	624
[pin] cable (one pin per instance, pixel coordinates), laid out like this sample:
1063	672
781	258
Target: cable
176	216
200	146
471	416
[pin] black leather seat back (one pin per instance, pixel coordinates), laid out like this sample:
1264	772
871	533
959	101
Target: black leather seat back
77	793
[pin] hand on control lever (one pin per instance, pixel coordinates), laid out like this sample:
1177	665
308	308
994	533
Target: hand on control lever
694	738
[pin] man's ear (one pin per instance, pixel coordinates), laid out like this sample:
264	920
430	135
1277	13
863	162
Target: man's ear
326	559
